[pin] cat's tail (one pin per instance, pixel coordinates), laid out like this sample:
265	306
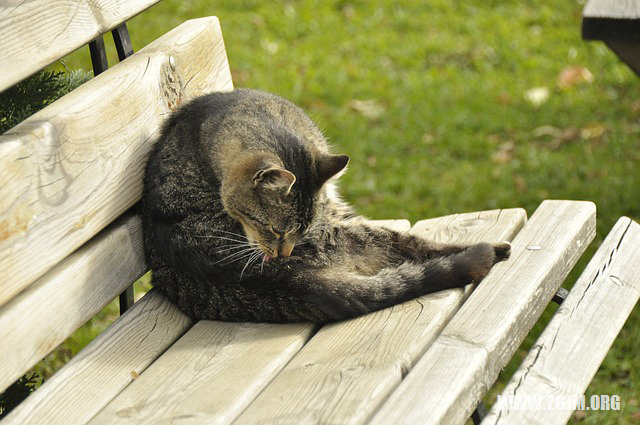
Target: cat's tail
340	295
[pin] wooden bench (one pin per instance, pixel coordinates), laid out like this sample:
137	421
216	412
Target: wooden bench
70	242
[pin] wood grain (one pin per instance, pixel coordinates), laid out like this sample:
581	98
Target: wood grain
347	369
35	33
43	316
213	372
209	375
464	360
620	9
106	366
567	355
72	168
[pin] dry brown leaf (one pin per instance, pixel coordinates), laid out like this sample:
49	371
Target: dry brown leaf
349	11
572	75
504	153
428	138
370	108
547	130
593	130
579	414
521	184
504	98
559	136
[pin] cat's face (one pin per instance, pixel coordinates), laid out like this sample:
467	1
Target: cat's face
272	208
267	210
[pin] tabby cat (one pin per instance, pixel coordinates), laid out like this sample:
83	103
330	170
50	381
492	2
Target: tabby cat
243	222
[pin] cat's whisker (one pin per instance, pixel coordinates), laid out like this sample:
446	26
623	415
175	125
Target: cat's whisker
229	233
227	248
237	259
236	256
249	261
220	237
235	250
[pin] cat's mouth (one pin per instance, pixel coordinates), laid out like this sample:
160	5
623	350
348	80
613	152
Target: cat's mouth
270	249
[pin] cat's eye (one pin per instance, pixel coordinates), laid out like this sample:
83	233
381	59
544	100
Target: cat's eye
277	233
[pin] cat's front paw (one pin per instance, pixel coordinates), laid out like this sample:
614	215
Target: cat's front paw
502	251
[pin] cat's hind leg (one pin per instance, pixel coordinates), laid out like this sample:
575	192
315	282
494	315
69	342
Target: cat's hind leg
342	294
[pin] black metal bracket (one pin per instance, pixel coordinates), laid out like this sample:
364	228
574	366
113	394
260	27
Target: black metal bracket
122	41
100	64
98	55
126	300
478	415
560	296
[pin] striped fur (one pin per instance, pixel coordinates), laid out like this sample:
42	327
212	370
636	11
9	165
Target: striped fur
243	222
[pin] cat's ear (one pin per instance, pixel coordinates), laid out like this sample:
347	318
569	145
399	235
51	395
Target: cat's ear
275	179
330	165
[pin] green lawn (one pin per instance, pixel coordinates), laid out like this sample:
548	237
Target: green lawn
430	102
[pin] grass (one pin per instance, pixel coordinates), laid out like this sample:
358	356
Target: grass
429	101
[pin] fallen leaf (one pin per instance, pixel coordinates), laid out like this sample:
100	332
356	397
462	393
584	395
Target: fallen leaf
537	95
521	184
370	108
270	46
559	136
317	105
504	98
349	11
594	130
493	139
636	417
428	138
572	75
546	130
257	20
579	414
504	153
239	76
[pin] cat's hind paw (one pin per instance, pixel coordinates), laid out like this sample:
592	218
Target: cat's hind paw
502	251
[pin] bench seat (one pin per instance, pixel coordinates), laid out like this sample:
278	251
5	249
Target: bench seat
155	365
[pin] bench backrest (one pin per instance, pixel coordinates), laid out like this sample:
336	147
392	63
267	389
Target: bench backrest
71	173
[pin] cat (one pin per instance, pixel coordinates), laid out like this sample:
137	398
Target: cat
242	221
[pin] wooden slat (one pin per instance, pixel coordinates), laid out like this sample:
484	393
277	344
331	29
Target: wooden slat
347	369
209	375
213	372
567	355
35	33
40	318
106	366
75	166
464	360
620	9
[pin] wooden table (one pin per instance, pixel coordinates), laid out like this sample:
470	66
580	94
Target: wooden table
617	23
